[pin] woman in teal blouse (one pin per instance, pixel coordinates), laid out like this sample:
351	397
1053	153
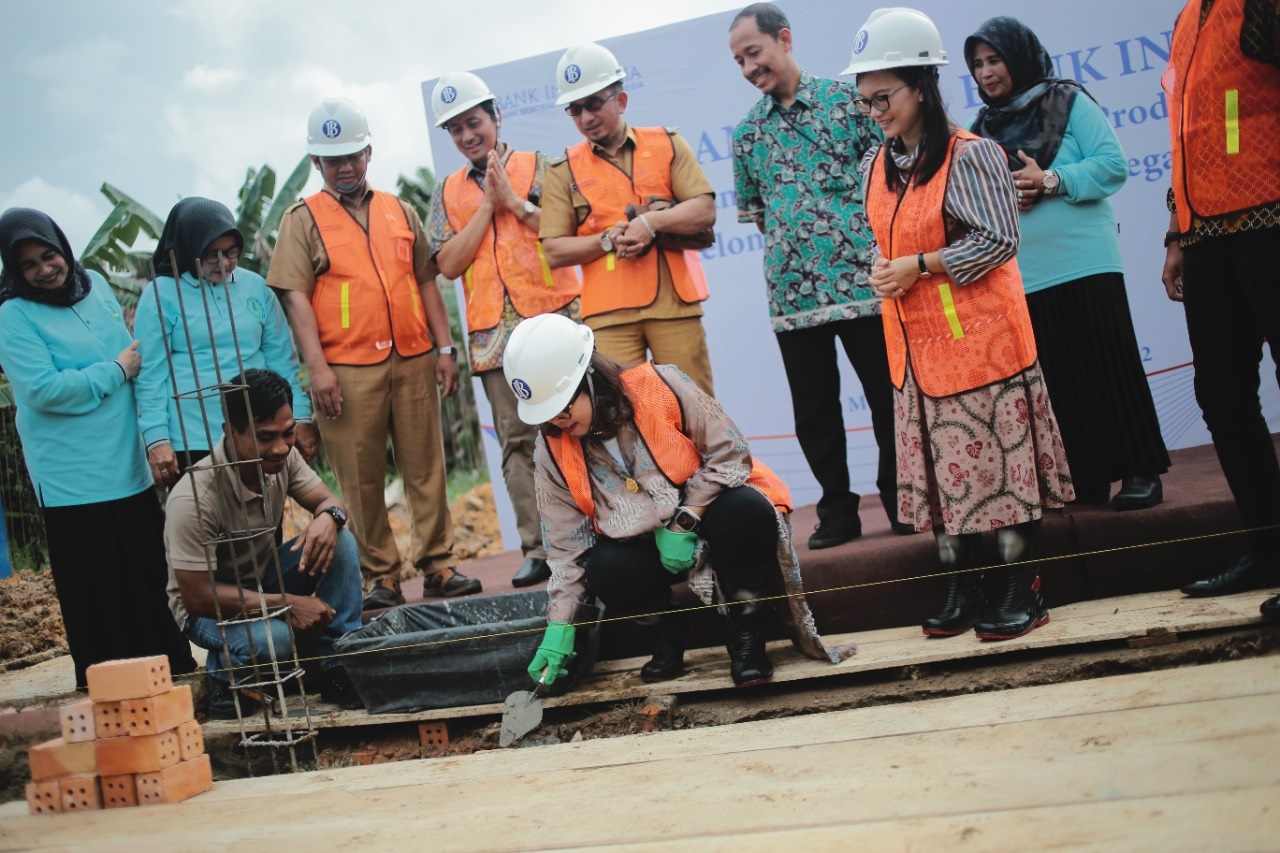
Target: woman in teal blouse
71	360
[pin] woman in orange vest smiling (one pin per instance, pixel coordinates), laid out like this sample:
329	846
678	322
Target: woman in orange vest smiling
483	227
643	481
978	445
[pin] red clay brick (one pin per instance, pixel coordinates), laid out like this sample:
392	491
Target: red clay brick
119	792
158	713
174	784
130	678
144	754
107	720
190	740
56	757
80	793
77	721
43	798
434	734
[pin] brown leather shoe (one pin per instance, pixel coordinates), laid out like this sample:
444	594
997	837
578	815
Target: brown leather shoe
450	583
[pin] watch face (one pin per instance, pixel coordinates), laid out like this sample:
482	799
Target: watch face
605	243
1050	181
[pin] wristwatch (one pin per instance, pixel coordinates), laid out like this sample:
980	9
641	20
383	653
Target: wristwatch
685	520
339	517
606	245
1051	182
1172	237
529	208
924	270
453	351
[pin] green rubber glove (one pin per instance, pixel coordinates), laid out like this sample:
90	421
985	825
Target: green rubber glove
554	653
675	549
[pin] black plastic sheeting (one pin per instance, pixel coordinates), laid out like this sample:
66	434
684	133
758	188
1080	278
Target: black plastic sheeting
452	654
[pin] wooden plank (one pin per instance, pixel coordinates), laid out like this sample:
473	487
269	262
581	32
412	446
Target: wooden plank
1099	620
1070	772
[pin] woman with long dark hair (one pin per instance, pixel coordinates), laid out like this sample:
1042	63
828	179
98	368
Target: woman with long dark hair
1066	162
978	447
72	361
642	481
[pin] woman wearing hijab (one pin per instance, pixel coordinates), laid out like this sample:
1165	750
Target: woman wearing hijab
978	445
72	361
1066	162
173	329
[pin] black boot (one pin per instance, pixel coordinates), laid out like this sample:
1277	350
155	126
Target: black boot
669	635
964	588
748	663
1015	605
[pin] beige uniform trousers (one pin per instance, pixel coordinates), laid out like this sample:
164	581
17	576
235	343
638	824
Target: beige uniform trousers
517	439
398	399
681	342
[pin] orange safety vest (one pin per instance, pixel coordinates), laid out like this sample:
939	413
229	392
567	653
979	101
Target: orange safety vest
958	337
606	284
513	263
368	299
661	425
1224	116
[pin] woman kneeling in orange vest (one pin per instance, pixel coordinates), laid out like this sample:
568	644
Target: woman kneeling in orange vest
643	481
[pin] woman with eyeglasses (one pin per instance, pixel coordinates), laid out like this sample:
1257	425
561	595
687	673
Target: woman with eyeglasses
67	352
1066	163
979	448
207	305
644	481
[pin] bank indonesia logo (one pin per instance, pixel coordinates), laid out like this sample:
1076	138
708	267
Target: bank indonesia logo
572	74
331	129
522	389
860	43
449	94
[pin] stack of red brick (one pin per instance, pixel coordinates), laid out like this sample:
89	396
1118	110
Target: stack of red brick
133	742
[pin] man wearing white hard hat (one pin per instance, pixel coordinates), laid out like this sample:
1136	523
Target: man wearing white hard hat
628	205
483	228
370	321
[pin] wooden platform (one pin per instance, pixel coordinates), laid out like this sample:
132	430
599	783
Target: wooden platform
1151	616
1183	759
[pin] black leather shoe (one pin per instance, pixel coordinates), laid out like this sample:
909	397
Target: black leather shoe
336	689
1249	572
381	595
1270	609
450	584
837	528
1091	493
535	570
221	705
748	663
901	527
1138	491
960	611
1016	606
669	636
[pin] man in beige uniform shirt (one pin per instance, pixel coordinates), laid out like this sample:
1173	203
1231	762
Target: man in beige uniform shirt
361	295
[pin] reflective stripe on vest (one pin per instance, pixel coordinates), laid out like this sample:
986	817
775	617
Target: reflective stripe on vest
609	284
1224	116
368	299
513	262
958	337
661	425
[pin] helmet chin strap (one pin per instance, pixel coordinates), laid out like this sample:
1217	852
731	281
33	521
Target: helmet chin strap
591	393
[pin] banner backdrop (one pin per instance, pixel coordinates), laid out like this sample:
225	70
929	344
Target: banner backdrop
683	75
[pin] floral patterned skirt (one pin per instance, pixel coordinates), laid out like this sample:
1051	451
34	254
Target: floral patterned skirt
988	458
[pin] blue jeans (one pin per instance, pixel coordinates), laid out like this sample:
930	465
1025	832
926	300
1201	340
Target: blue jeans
339	587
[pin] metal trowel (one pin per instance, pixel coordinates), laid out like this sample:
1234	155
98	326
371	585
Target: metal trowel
521	713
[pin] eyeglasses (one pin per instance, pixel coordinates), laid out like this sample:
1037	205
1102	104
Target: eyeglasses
880	101
590	105
568	408
231	254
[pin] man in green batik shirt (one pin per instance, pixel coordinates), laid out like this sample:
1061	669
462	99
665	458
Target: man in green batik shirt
795	167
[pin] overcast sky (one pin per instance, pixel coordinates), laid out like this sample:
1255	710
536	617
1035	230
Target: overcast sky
171	98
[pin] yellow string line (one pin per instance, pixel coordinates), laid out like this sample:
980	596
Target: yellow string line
780	596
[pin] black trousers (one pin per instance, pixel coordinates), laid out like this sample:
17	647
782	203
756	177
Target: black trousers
740	528
1231	291
813	374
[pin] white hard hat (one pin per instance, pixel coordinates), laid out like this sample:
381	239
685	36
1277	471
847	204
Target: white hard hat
457	92
585	70
894	38
337	127
544	362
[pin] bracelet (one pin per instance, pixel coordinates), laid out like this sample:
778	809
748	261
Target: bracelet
653	235
1171	237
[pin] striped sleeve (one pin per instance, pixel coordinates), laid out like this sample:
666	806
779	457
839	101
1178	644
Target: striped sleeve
980	195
